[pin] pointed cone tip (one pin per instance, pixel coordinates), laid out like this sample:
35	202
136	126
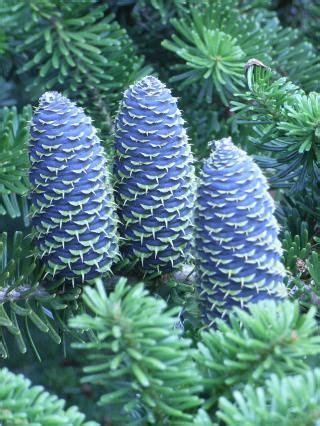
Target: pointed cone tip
150	81
222	144
51	96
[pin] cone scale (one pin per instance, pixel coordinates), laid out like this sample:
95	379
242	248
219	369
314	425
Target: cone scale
237	247
72	209
154	178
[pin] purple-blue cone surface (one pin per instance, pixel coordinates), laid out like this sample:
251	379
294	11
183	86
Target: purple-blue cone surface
72	207
155	180
237	248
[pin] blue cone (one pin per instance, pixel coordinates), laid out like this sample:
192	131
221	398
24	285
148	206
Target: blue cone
155	180
72	207
237	248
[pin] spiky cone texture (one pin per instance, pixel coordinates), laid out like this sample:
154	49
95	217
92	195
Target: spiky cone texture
155	181
72	206
236	244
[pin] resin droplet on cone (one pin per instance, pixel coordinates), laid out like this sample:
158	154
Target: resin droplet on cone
154	178
237	247
72	207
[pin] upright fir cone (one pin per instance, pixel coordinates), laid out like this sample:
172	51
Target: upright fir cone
73	210
154	178
237	247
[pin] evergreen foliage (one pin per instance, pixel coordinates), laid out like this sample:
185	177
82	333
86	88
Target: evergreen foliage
227	330
215	42
26	304
288	401
296	248
138	356
24	404
165	8
301	258
216	38
13	160
270	338
73	214
287	126
299	62
202	418
237	247
303	207
311	26
77	48
154	178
